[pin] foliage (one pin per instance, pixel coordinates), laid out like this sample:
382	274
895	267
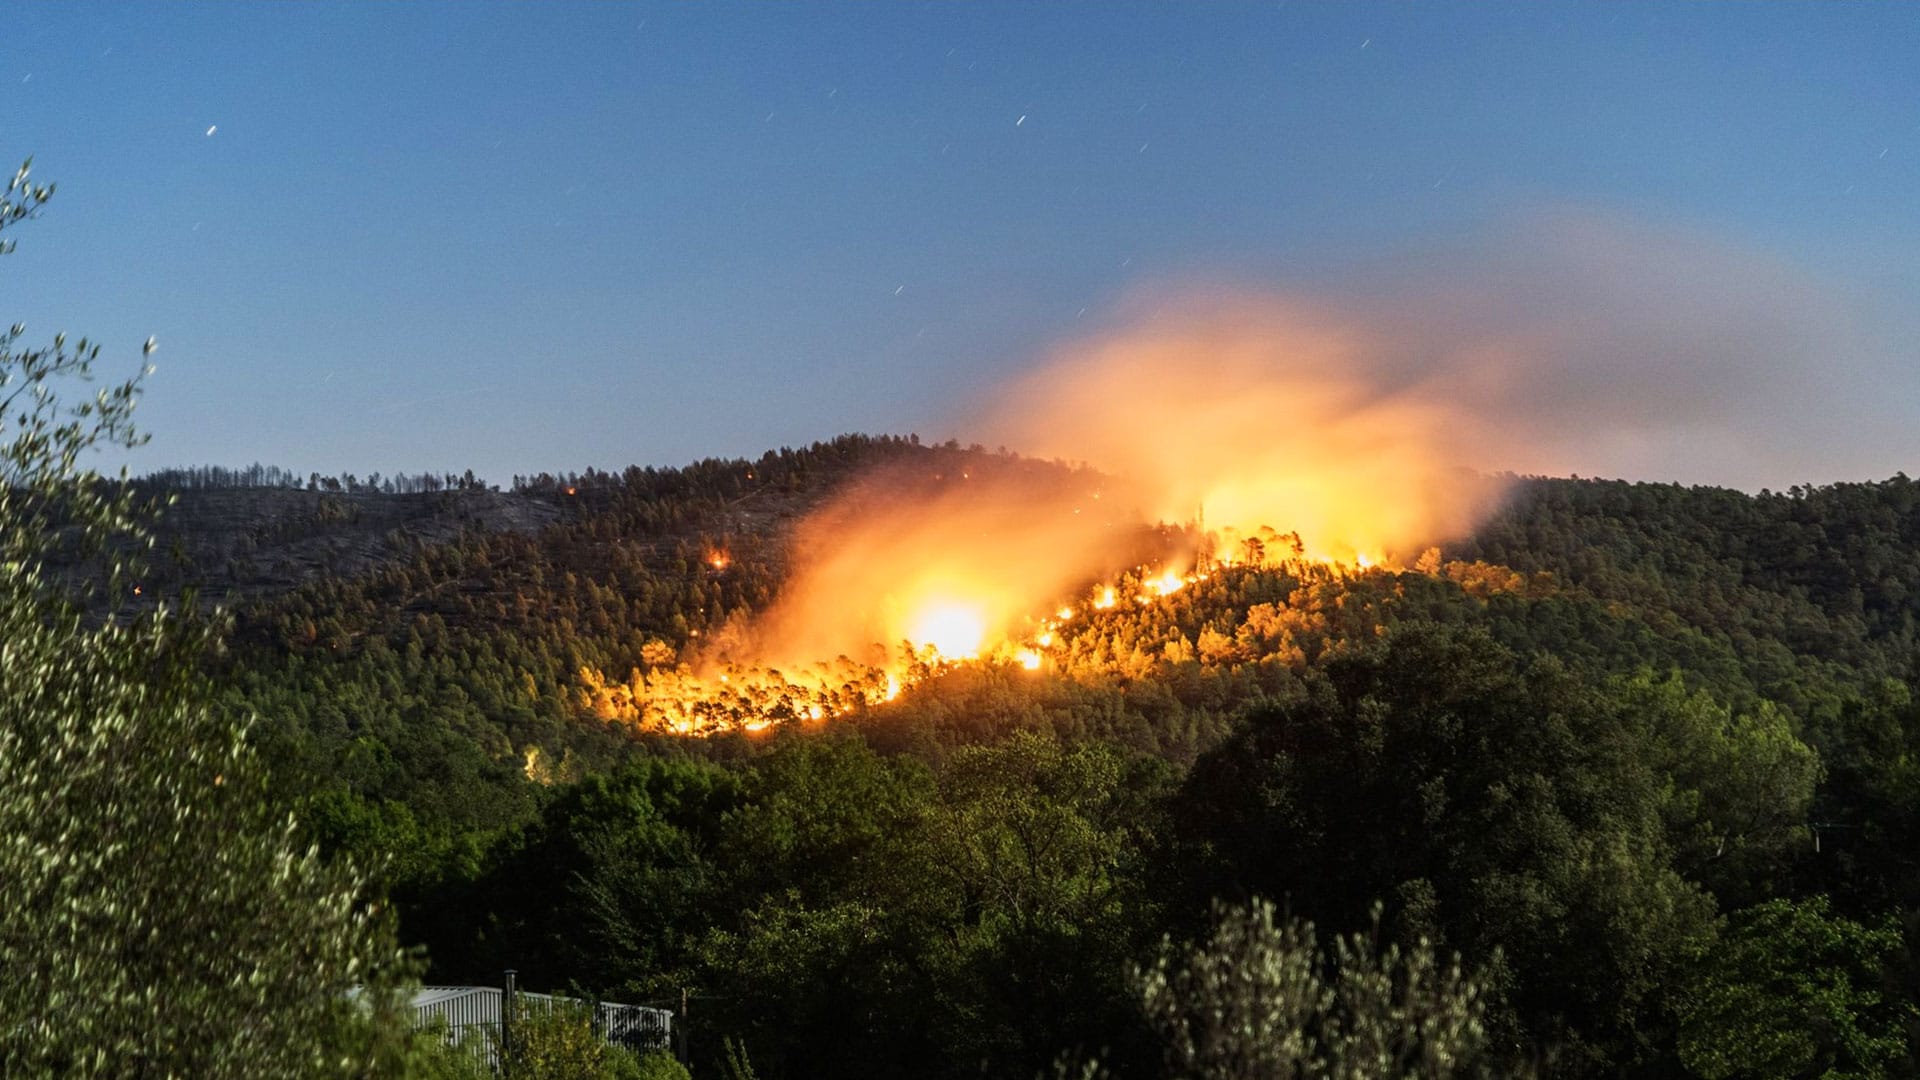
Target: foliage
1259	999
659	1065
557	1041
606	889
738	1066
1557	745
1739	785
1500	805
1866	815
156	916
1795	991
977	914
383	1042
1554	746
1037	847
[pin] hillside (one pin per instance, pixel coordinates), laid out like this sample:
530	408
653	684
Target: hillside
235	545
1696	682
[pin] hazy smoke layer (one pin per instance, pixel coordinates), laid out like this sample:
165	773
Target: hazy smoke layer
1243	417
1261	413
1569	345
1602	346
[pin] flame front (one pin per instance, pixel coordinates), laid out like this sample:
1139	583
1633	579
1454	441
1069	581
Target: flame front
1267	437
953	630
943	559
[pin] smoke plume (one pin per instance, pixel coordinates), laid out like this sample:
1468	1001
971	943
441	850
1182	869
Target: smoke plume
1349	419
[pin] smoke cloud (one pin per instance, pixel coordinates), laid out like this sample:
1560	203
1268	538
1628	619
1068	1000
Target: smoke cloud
1259	413
1367	421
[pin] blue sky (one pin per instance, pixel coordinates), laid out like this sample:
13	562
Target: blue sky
516	238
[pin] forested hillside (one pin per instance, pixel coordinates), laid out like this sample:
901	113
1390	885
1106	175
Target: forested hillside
1644	755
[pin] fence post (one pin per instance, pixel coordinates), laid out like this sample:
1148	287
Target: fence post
508	995
680	1031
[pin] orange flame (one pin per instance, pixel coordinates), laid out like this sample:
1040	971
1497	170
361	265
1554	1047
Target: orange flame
1273	417
931	561
1285	437
953	630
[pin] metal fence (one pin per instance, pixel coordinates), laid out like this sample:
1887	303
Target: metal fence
471	1017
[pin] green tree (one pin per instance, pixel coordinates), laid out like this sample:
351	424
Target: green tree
607	889
1739	786
823	917
1793	990
1031	864
1259	999
157	918
973	918
1496	804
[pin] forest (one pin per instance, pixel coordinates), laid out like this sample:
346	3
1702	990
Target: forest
1123	541
1638	759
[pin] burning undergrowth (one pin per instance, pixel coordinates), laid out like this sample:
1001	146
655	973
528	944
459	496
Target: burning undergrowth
1334	431
1169	451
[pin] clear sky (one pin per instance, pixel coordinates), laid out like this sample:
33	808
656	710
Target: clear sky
542	236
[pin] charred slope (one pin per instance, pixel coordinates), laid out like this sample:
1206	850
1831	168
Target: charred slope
237	545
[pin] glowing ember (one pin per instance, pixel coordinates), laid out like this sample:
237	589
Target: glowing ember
718	560
1029	659
1105	600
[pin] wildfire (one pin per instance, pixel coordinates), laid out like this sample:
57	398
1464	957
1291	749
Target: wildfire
1166	584
954	631
942	631
1260	421
1266	414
